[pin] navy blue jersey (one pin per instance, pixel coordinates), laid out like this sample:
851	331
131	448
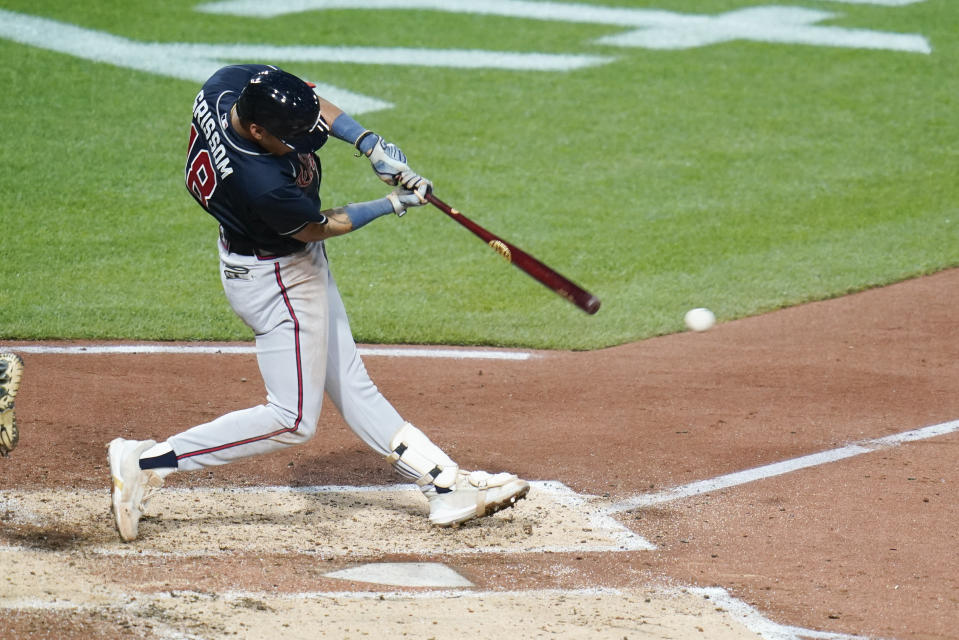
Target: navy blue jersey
260	199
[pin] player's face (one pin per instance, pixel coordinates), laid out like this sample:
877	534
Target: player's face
269	141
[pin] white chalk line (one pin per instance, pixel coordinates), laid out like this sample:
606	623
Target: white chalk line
603	519
745	614
786	466
753	620
386	352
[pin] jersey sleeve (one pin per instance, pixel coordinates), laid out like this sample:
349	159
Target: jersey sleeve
286	210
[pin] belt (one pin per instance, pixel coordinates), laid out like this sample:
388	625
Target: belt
244	247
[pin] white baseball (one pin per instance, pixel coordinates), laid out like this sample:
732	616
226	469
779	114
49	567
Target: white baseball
700	319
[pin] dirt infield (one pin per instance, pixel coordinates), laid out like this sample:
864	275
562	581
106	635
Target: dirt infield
856	543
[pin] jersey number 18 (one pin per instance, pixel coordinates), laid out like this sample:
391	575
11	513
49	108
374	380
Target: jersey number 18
200	176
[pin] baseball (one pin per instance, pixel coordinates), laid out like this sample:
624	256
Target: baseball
700	319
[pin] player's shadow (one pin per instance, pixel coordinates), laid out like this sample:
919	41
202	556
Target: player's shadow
45	537
358	467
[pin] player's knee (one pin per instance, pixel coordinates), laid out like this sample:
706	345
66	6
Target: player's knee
296	427
298	433
304	431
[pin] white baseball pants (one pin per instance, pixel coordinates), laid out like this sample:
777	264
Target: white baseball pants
304	346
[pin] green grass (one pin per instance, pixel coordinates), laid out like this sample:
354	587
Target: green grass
742	176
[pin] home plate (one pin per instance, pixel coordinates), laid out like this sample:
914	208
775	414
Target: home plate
403	574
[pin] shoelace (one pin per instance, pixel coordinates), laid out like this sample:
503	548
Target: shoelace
153	485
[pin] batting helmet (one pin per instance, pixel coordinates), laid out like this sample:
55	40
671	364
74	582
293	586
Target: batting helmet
279	102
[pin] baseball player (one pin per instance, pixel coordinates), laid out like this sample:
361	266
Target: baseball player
252	165
11	371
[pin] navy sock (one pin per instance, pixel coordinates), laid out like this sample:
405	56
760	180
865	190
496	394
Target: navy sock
168	460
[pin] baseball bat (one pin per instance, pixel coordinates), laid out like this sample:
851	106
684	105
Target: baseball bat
522	260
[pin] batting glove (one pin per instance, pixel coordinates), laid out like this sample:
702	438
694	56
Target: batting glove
402	199
388	161
416	183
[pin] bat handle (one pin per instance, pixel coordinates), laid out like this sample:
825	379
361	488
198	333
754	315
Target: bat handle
439	204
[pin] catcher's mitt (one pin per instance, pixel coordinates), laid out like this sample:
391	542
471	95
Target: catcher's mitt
9	435
11	370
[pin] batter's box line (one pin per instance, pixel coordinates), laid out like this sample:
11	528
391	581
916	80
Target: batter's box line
600	513
752	619
597	511
193	349
745	614
781	468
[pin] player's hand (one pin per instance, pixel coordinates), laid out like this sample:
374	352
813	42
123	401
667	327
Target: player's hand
388	161
416	184
402	199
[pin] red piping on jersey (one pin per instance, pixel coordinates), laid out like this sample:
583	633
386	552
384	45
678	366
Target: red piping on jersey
299	384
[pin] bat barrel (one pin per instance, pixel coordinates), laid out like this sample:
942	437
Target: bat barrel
546	275
591	305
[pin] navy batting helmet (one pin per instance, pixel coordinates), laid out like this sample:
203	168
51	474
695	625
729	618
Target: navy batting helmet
279	102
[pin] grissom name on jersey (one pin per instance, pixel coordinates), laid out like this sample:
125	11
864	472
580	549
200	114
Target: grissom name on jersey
204	116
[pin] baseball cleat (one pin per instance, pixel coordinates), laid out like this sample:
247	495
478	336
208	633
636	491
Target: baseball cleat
132	486
475	494
11	370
